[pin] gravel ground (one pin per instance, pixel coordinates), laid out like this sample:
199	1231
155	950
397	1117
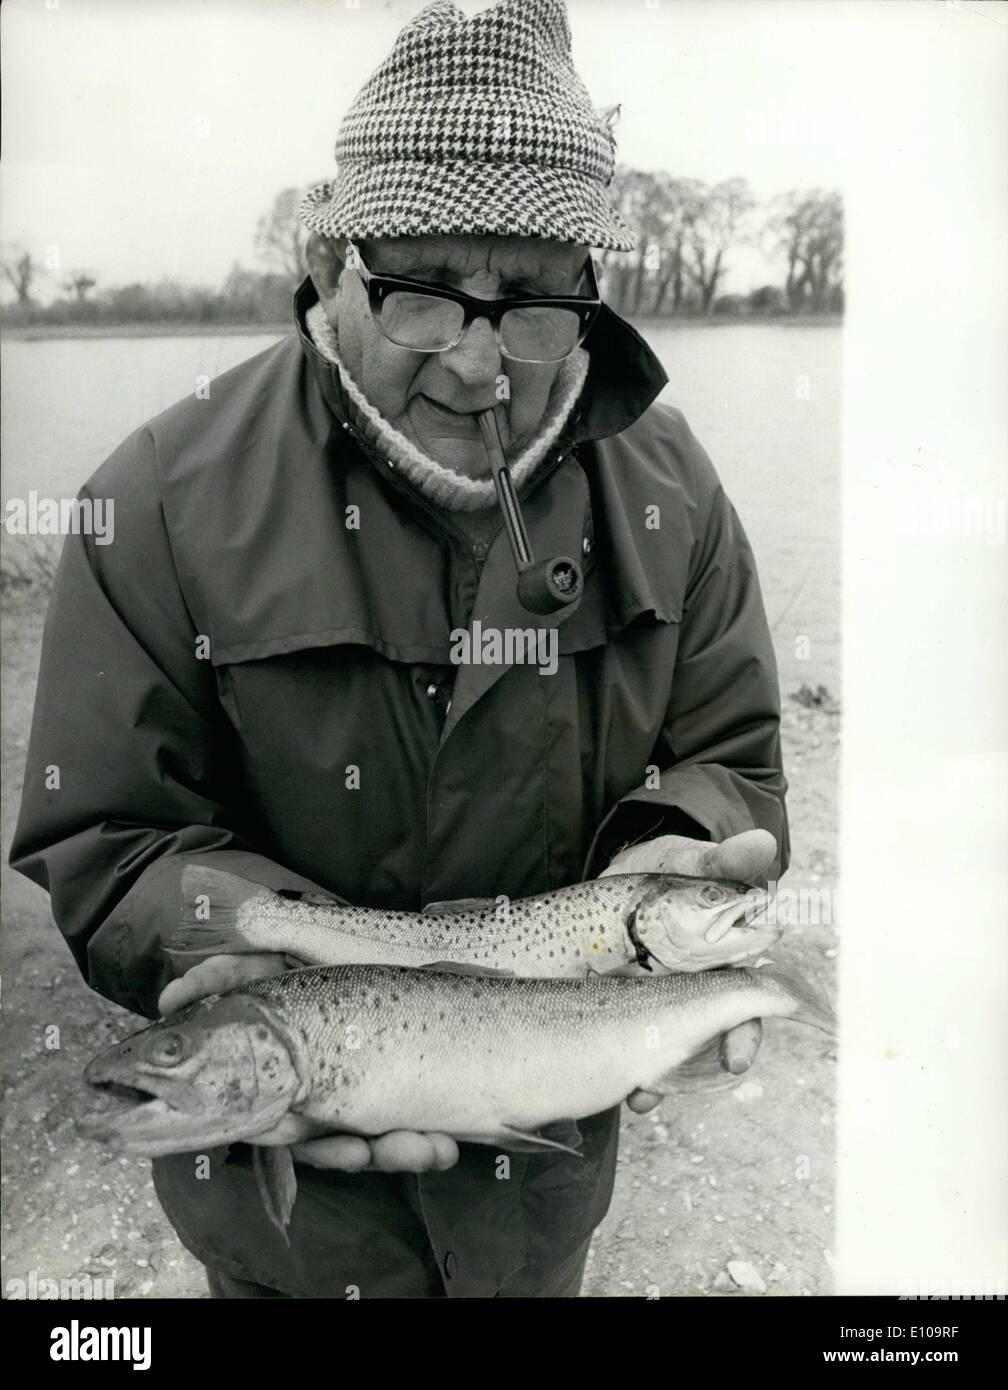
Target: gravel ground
726	1194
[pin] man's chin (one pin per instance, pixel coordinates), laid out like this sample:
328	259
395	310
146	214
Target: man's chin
464	456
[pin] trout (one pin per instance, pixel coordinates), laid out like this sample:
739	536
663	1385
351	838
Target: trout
368	1049
667	921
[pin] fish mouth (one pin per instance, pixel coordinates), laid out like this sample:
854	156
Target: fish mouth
741	916
733	935
148	1116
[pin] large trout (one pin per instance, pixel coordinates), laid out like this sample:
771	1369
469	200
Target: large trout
369	1049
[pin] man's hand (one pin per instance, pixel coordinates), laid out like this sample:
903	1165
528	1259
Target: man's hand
745	858
401	1151
217	975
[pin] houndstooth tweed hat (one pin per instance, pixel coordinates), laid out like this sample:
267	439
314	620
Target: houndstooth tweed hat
474	126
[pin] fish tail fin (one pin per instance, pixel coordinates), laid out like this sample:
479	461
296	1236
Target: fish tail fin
813	1004
210	924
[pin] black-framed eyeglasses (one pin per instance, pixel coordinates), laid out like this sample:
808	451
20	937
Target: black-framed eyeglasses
433	318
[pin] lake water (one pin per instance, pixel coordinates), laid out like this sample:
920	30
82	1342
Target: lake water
763	399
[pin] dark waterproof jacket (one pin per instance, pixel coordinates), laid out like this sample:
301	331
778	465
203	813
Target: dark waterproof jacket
322	737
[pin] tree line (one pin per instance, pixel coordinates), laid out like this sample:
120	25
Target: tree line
687	231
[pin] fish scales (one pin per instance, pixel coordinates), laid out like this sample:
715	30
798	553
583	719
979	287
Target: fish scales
393	1048
530	928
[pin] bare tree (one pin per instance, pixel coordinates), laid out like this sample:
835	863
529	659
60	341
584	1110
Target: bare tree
20	270
281	238
807	228
625	193
80	282
645	195
682	200
715	225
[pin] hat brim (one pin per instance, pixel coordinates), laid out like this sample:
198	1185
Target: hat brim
399	198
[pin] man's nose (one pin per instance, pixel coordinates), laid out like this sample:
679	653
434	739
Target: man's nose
475	359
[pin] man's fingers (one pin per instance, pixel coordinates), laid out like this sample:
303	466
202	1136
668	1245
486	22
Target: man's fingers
640	1102
404	1152
216	976
665	854
400	1151
740	1045
745	857
343	1151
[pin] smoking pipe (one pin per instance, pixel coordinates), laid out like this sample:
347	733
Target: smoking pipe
549	585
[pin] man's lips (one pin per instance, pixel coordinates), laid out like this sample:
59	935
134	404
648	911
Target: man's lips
434	418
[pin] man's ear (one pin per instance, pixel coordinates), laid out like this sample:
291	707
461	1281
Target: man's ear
326	260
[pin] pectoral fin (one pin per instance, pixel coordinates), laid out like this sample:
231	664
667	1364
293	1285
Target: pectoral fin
563	1135
449	907
277	1182
704	1071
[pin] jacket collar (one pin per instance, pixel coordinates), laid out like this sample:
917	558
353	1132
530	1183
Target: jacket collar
624	375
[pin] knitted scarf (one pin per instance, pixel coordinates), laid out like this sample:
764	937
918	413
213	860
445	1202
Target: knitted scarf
444	486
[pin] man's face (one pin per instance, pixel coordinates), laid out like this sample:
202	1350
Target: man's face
432	397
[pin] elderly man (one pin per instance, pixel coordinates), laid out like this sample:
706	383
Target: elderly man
258	674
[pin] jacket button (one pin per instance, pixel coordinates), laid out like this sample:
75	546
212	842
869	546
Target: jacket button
432	692
450	1264
586	546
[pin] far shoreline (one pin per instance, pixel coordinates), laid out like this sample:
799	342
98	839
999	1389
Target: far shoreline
24	333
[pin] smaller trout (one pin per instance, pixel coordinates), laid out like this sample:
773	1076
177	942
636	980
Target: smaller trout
667	921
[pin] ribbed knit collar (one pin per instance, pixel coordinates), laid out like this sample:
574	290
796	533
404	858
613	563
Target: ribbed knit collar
441	485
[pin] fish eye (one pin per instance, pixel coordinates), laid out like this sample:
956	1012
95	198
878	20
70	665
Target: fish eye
168	1051
712	894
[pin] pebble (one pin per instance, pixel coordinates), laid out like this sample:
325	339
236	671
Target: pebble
747	1276
724	1282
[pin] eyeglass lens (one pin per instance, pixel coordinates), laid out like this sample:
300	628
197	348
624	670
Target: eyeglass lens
428	324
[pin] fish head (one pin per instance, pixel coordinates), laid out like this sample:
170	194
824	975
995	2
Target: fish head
217	1072
701	923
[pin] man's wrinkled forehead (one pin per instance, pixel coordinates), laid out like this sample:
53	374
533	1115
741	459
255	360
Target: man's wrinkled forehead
553	265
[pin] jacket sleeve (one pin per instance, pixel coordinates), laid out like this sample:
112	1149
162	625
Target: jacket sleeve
719	752
131	767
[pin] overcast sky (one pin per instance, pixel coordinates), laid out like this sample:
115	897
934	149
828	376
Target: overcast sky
146	139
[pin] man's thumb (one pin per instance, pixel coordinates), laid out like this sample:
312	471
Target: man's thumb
743	857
